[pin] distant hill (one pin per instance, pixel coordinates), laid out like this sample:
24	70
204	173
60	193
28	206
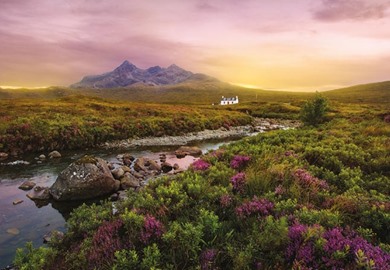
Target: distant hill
127	74
205	92
363	93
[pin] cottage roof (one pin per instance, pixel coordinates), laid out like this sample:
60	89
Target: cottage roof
229	99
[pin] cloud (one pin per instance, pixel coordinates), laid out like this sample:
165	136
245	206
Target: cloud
340	10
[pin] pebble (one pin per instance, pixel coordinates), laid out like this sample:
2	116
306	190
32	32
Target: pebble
13	231
17	202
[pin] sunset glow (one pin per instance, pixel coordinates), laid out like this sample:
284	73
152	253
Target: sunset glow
292	45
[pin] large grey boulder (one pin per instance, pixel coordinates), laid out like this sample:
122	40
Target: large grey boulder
85	178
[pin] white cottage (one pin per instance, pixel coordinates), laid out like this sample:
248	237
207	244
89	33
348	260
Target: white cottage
229	101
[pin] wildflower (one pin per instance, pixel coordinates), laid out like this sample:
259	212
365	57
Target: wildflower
225	200
305	179
106	241
207	259
151	228
239	162
256	206
200	165
238	181
279	190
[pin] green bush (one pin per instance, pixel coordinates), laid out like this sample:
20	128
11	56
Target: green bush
313	111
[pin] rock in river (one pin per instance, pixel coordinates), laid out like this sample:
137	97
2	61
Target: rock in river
188	150
54	154
27	185
166	167
85	178
129	181
39	193
3	156
13	231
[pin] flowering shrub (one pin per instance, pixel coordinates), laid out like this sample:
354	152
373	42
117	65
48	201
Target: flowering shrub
256	206
207	259
239	162
279	190
225	200
151	228
238	181
218	154
200	165
105	242
306	180
358	248
286	218
333	249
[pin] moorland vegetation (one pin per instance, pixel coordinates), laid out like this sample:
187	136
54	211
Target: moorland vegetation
310	198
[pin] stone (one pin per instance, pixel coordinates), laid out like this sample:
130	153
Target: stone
190	150
126	169
48	238
117	185
127	162
13	231
139	165
17	202
128	156
137	174
176	166
166	167
39	193
55	154
180	154
154	166
86	178
27	185
114	197
178	171
110	166
129	181
122	195
3	156
42	157
118	173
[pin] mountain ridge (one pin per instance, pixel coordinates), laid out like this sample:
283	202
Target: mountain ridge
128	74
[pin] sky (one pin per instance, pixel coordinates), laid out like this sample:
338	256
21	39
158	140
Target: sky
297	45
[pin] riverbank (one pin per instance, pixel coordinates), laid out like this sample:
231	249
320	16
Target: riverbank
258	125
44	173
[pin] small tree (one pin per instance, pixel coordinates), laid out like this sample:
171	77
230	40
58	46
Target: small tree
313	111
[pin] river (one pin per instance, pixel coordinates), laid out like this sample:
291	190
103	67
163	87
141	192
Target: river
30	222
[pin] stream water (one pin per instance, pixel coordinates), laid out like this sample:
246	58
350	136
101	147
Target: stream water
28	221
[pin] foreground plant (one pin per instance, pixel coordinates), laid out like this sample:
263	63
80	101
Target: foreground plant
323	203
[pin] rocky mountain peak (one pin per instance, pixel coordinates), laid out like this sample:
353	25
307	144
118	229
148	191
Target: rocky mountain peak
126	65
128	74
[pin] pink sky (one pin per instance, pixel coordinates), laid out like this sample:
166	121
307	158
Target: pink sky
281	44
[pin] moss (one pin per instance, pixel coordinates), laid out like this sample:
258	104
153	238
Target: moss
87	160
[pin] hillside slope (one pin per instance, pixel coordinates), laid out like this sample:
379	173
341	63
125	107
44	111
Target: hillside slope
206	92
364	93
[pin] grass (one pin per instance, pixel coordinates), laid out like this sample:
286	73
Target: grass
208	93
79	121
309	198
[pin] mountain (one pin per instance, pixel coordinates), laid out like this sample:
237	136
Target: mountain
127	74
